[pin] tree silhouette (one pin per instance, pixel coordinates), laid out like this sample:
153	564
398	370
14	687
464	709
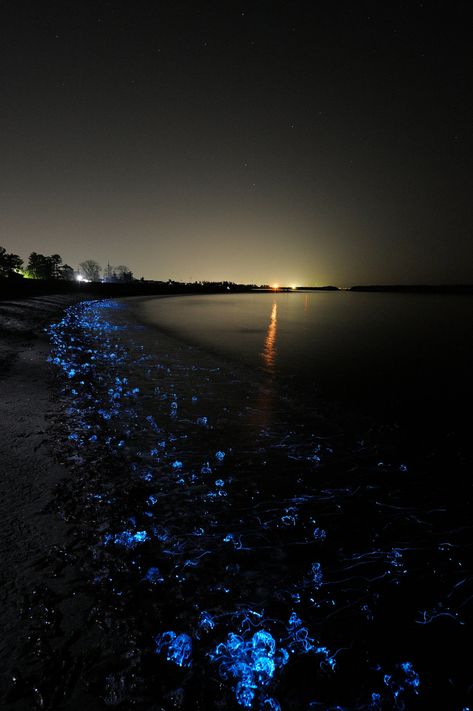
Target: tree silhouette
9	263
43	267
124	273
66	272
56	262
108	273
40	266
90	269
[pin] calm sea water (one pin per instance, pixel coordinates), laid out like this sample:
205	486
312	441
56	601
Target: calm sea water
391	355
268	507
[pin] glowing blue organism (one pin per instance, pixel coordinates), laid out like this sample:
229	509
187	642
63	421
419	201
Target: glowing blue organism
412	678
152	423
231	538
244	695
375	704
178	648
403	468
290	516
162	534
220	456
206	469
404	679
206	621
294	621
152	500
395	559
316	574
127	539
154	576
176	465
202	421
219	482
319	534
250	661
270	704
299	641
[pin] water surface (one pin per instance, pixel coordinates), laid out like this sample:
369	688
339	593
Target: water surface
395	356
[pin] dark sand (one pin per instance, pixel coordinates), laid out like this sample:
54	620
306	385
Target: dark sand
29	473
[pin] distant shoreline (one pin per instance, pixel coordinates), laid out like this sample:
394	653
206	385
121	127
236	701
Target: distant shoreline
28	288
418	288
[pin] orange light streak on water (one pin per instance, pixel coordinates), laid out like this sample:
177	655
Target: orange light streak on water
269	350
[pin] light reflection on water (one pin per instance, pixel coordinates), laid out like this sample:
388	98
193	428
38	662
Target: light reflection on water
386	352
269	350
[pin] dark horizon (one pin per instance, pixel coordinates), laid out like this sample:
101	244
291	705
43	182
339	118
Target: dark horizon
269	143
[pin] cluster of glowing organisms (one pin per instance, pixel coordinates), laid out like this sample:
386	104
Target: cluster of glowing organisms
127	539
251	657
250	662
177	647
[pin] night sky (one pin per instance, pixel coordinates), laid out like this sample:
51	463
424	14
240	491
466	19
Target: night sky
300	143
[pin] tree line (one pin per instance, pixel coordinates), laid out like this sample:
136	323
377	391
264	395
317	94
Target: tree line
52	267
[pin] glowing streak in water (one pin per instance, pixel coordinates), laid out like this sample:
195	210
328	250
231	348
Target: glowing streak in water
269	350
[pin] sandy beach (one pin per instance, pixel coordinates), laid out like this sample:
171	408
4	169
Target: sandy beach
29	473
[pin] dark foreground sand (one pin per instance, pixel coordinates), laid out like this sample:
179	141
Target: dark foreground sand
28	474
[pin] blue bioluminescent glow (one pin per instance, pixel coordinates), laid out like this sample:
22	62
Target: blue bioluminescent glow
177	647
154	576
206	621
316	574
250	661
127	539
403	680
155	463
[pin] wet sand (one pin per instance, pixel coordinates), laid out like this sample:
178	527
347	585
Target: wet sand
29	473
